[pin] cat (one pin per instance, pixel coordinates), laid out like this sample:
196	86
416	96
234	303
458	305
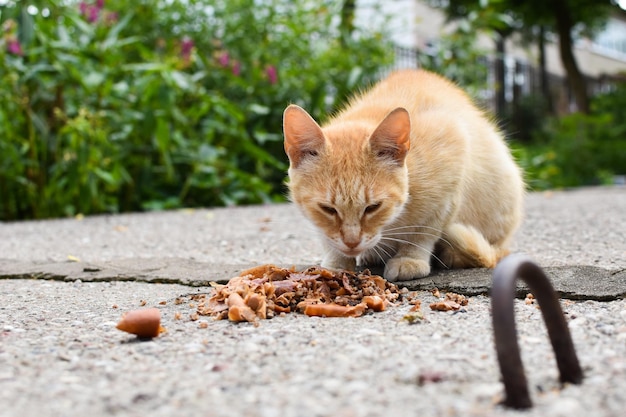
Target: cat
409	172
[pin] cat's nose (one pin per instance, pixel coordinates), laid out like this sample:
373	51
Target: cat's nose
351	244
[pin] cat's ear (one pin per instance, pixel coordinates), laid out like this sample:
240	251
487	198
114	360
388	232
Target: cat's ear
391	139
303	136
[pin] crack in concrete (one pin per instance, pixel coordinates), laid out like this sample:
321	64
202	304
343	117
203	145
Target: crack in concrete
578	282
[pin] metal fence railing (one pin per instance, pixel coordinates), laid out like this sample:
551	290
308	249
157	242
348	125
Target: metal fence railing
522	82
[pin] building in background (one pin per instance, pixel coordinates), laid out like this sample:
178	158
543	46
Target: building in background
416	28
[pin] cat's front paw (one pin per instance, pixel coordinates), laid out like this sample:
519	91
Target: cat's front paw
403	269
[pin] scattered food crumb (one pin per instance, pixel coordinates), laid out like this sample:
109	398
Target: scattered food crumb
530	299
413	317
144	323
457	298
143	303
162	302
452	301
446	305
435	292
430	377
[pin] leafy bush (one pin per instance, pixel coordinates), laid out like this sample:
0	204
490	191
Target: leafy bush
579	149
118	106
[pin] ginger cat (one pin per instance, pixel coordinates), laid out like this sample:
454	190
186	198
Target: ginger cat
410	171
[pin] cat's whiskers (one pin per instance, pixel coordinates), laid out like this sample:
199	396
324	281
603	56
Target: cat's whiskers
382	258
393	229
417	246
380	248
420	233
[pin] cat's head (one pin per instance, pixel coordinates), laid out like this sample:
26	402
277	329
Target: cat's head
349	178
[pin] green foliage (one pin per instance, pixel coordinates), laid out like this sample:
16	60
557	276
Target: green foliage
110	106
459	59
579	149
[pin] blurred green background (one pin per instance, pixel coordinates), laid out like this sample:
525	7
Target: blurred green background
113	106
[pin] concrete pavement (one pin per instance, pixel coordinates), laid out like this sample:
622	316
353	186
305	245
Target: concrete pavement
61	355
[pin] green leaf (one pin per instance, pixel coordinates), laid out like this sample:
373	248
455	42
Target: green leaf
148	67
162	135
25	27
83	26
120	42
113	34
355	76
259	109
93	79
181	80
105	176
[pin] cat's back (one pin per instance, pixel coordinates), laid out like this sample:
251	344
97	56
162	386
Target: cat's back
415	90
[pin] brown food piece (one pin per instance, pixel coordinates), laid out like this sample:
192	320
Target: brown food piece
267	290
238	310
457	298
417	305
258	304
145	323
374	302
335	310
446	305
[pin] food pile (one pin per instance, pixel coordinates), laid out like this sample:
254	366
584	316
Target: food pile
267	290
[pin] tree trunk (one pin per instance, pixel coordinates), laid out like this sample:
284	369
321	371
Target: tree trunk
346	25
500	98
575	78
543	72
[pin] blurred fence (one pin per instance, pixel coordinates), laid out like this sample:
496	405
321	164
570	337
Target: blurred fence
522	82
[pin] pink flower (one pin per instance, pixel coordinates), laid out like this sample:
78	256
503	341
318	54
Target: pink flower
92	14
89	11
236	68
186	46
272	74
223	59
111	18
14	47
82	6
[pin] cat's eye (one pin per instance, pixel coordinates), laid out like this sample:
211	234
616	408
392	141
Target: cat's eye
372	208
328	210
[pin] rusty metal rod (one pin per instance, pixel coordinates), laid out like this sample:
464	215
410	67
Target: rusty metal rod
503	315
